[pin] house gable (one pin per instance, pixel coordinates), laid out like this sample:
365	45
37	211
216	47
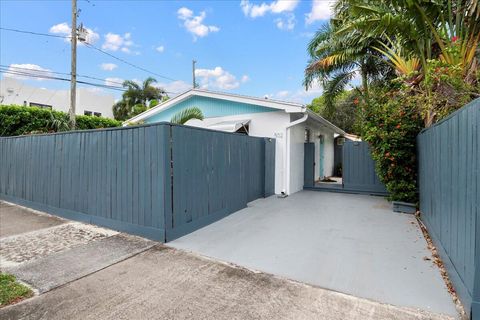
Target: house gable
211	107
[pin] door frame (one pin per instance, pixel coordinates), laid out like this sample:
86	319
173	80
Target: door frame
321	156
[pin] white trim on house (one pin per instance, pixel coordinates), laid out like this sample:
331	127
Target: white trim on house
289	107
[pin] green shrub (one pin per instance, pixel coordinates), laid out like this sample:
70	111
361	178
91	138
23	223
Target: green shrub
391	124
20	120
92	122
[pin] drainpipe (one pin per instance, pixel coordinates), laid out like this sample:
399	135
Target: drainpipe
286	158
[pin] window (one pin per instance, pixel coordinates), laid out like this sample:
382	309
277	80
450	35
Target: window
40	105
97	114
87	113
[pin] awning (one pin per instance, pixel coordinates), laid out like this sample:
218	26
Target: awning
229	126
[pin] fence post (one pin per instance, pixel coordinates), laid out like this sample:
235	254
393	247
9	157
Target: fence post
269	172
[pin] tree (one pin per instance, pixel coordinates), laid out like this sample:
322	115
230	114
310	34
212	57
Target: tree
183	116
346	115
336	57
137	98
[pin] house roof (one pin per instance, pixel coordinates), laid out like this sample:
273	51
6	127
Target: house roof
269	103
289	107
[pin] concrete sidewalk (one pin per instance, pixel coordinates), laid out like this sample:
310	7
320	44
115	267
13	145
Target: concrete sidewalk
164	283
46	252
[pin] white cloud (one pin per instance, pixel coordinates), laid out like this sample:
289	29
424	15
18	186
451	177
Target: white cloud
115	42
174	88
286	24
108	66
27	71
116	82
245	78
65	30
299	95
321	10
160	49
218	78
259	10
194	24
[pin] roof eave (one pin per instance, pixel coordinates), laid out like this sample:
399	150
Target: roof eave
324	121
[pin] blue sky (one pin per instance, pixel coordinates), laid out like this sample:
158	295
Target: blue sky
246	47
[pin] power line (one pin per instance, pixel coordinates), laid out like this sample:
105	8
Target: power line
47	72
33	75
89	45
35	33
126	62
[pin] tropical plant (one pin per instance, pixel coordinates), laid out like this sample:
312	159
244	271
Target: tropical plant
137	98
403	65
337	57
433	47
183	116
390	126
58	122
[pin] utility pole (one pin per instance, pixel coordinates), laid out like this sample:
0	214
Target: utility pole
73	82
193	74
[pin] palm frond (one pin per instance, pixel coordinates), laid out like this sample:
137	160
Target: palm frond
183	116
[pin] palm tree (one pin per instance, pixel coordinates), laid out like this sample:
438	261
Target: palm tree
183	116
137	95
336	57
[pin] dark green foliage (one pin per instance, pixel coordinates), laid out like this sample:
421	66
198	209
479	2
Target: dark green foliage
391	124
19	120
92	122
345	115
137	98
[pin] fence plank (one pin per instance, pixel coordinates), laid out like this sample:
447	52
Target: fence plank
449	176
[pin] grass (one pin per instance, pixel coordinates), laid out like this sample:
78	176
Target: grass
11	291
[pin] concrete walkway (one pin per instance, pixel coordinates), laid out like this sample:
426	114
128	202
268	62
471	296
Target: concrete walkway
47	252
353	244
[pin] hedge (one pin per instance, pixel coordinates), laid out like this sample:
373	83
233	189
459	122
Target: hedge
20	120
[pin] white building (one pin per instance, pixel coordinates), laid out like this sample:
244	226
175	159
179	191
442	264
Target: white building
291	124
89	102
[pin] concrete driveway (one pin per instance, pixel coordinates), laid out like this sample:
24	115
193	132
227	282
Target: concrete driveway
353	244
84	272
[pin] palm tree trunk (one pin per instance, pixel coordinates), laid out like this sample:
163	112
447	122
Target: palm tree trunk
364	76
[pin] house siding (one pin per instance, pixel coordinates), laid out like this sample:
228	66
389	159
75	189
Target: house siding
210	107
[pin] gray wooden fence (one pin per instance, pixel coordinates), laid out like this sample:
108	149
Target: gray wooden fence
159	181
449	181
358	171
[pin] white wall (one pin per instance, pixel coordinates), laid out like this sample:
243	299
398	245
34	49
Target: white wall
297	141
263	124
16	92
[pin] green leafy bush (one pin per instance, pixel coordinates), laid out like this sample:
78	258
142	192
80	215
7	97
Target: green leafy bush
92	122
20	120
391	124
